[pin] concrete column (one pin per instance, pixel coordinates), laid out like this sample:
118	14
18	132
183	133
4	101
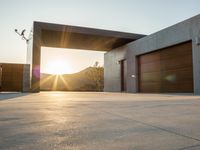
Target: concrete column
35	81
196	65
26	78
195	34
132	76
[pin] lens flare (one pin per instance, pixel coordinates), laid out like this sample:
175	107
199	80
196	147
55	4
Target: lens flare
171	78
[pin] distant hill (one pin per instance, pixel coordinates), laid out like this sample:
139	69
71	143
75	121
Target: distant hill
89	79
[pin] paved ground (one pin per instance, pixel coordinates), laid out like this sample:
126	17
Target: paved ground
99	121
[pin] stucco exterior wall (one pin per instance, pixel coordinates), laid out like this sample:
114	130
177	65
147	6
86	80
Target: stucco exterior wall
112	77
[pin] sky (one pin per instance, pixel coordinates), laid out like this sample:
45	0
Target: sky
134	16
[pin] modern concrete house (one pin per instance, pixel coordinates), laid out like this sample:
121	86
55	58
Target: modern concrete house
166	61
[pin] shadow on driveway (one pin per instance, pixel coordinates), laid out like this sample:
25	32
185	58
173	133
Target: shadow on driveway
11	95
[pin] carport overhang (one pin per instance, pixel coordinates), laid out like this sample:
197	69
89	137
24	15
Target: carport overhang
74	37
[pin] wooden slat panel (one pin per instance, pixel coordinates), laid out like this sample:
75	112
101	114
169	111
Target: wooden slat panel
12	77
150	67
150	77
0	77
179	87
176	51
167	70
151	57
176	63
150	87
183	74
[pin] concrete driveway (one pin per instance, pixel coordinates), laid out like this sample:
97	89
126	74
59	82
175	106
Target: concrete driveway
99	121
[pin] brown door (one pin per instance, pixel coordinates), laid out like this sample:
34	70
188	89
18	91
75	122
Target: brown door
123	75
0	76
167	70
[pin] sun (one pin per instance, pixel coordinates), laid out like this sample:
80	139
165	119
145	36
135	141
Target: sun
58	67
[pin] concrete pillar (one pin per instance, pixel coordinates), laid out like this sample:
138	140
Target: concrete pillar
196	65
132	77
26	78
35	82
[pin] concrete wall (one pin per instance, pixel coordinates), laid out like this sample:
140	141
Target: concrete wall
112	77
26	78
179	33
34	58
29	55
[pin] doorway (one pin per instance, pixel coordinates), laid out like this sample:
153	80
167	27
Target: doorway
0	77
123	64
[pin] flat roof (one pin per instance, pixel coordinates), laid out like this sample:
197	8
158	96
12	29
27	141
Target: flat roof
76	37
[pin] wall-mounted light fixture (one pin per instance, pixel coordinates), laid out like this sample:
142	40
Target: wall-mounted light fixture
133	76
197	40
22	34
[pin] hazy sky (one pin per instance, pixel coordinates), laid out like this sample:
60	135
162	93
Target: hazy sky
136	16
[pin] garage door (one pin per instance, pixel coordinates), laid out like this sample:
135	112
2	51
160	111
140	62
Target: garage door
167	70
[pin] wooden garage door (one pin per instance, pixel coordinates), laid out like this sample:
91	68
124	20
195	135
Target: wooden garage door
167	70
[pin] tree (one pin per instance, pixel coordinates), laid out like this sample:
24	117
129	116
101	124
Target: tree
95	74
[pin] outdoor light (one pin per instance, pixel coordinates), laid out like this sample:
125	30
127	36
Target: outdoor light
197	40
22	34
133	76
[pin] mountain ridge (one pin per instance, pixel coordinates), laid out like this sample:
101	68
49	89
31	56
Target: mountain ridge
88	79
